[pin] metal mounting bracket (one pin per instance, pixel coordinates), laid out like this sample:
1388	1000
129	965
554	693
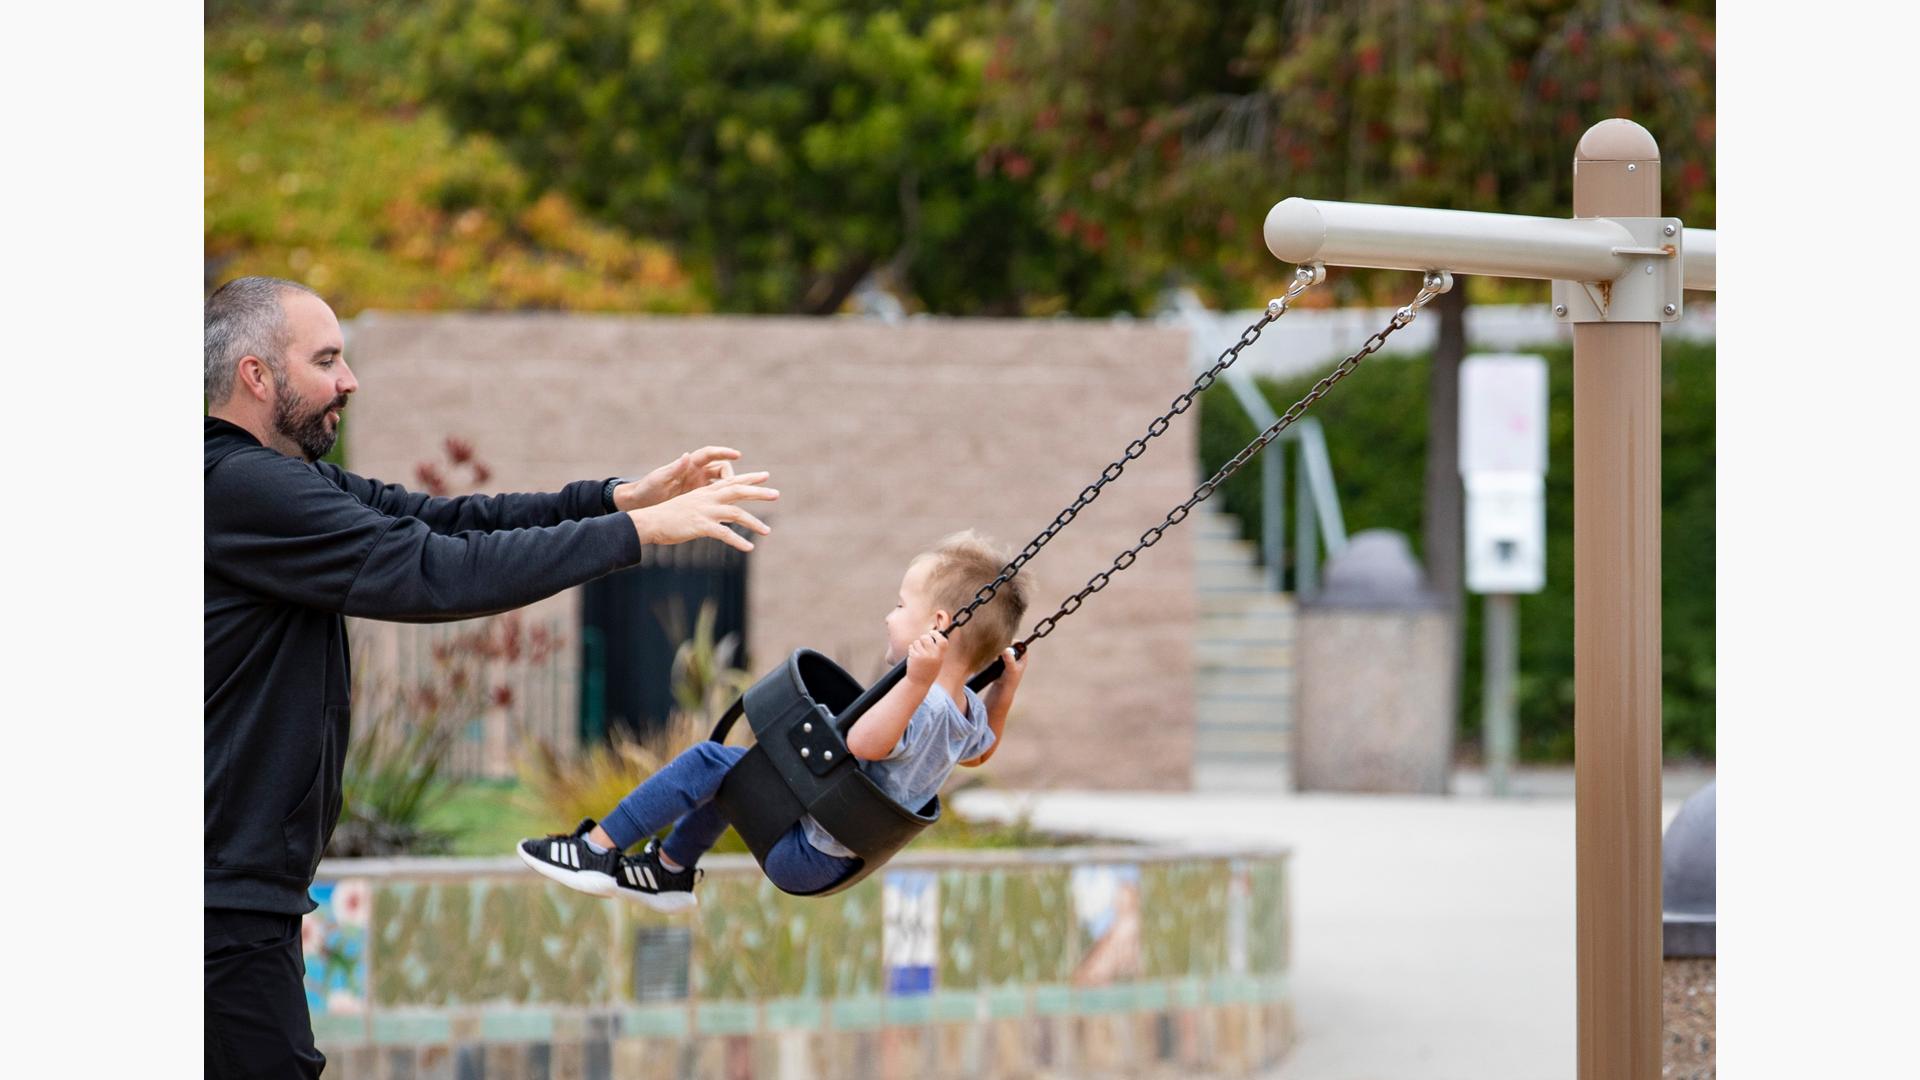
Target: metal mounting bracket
1648	291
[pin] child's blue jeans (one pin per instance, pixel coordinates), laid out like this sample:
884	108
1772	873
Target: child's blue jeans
681	795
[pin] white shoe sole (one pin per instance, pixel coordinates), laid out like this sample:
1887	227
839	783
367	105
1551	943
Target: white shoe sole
668	902
591	882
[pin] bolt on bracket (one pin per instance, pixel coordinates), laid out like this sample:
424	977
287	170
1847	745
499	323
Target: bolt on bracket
1648	291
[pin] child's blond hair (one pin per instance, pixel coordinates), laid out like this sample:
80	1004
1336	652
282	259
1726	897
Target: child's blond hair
962	563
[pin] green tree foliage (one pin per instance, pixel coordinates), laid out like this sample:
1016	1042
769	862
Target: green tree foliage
322	166
786	149
1170	129
1173	128
1376	426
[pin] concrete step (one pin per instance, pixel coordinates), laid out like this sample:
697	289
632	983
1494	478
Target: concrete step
1241	684
1265	775
1224	547
1262	712
1218	746
1243	656
1259	603
1227	562
1223	653
1213	522
1238	630
1229	579
1264	622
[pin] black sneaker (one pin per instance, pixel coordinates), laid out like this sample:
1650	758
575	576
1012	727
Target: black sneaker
641	877
567	859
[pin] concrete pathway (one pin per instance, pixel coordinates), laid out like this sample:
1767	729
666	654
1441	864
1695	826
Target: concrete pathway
1433	938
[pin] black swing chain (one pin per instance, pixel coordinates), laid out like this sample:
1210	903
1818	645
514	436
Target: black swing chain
1432	285
1303	279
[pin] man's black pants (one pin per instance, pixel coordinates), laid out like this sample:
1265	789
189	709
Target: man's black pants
256	1005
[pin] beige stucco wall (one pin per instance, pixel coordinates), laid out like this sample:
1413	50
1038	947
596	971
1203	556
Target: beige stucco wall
881	439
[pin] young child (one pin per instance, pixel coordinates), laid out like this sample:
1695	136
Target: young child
909	742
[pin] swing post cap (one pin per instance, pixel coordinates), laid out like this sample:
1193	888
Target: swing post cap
1617	139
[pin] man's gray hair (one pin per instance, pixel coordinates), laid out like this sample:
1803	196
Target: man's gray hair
244	318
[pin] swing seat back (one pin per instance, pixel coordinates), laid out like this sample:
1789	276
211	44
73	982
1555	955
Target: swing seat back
800	766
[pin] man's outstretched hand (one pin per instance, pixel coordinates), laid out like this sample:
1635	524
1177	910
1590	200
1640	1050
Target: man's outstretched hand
706	511
677	477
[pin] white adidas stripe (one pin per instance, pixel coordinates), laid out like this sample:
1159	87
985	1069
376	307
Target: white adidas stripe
651	884
553	851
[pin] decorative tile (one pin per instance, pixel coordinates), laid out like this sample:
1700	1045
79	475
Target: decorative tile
516	1026
1008	969
1010	1047
1052	1000
1269	923
1184	909
338	1029
656	1021
950	1007
1106	908
662	959
411	1028
795	1014
910	914
754	941
852	1053
507	1062
726	1018
909	1009
505	942
908	1052
1005	927
333	939
652	1059
861	1013
1006	1002
566	1061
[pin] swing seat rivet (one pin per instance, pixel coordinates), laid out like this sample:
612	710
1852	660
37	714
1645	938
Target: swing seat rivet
806	752
828	755
806	727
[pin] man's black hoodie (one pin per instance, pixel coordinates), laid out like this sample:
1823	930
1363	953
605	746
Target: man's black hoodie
291	548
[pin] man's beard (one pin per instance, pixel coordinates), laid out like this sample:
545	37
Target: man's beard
308	430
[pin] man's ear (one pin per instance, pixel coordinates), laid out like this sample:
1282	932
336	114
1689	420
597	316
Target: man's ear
254	374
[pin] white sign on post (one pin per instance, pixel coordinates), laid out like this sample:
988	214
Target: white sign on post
1503	462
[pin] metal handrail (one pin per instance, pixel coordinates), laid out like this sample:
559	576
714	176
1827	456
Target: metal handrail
1318	499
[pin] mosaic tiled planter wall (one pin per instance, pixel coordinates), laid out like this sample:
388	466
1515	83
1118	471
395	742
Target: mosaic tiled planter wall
1078	961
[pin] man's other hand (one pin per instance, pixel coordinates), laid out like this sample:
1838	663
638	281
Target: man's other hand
707	465
706	511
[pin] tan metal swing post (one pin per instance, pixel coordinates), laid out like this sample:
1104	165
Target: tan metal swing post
1618	270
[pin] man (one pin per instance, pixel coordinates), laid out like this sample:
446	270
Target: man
292	546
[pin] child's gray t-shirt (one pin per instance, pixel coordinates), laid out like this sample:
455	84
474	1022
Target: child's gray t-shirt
938	737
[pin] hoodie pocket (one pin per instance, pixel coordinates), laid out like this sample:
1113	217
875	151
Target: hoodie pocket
305	828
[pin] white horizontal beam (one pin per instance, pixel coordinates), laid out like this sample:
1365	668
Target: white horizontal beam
1466	242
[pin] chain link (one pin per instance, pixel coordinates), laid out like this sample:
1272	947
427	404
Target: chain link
1434	284
1303	279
